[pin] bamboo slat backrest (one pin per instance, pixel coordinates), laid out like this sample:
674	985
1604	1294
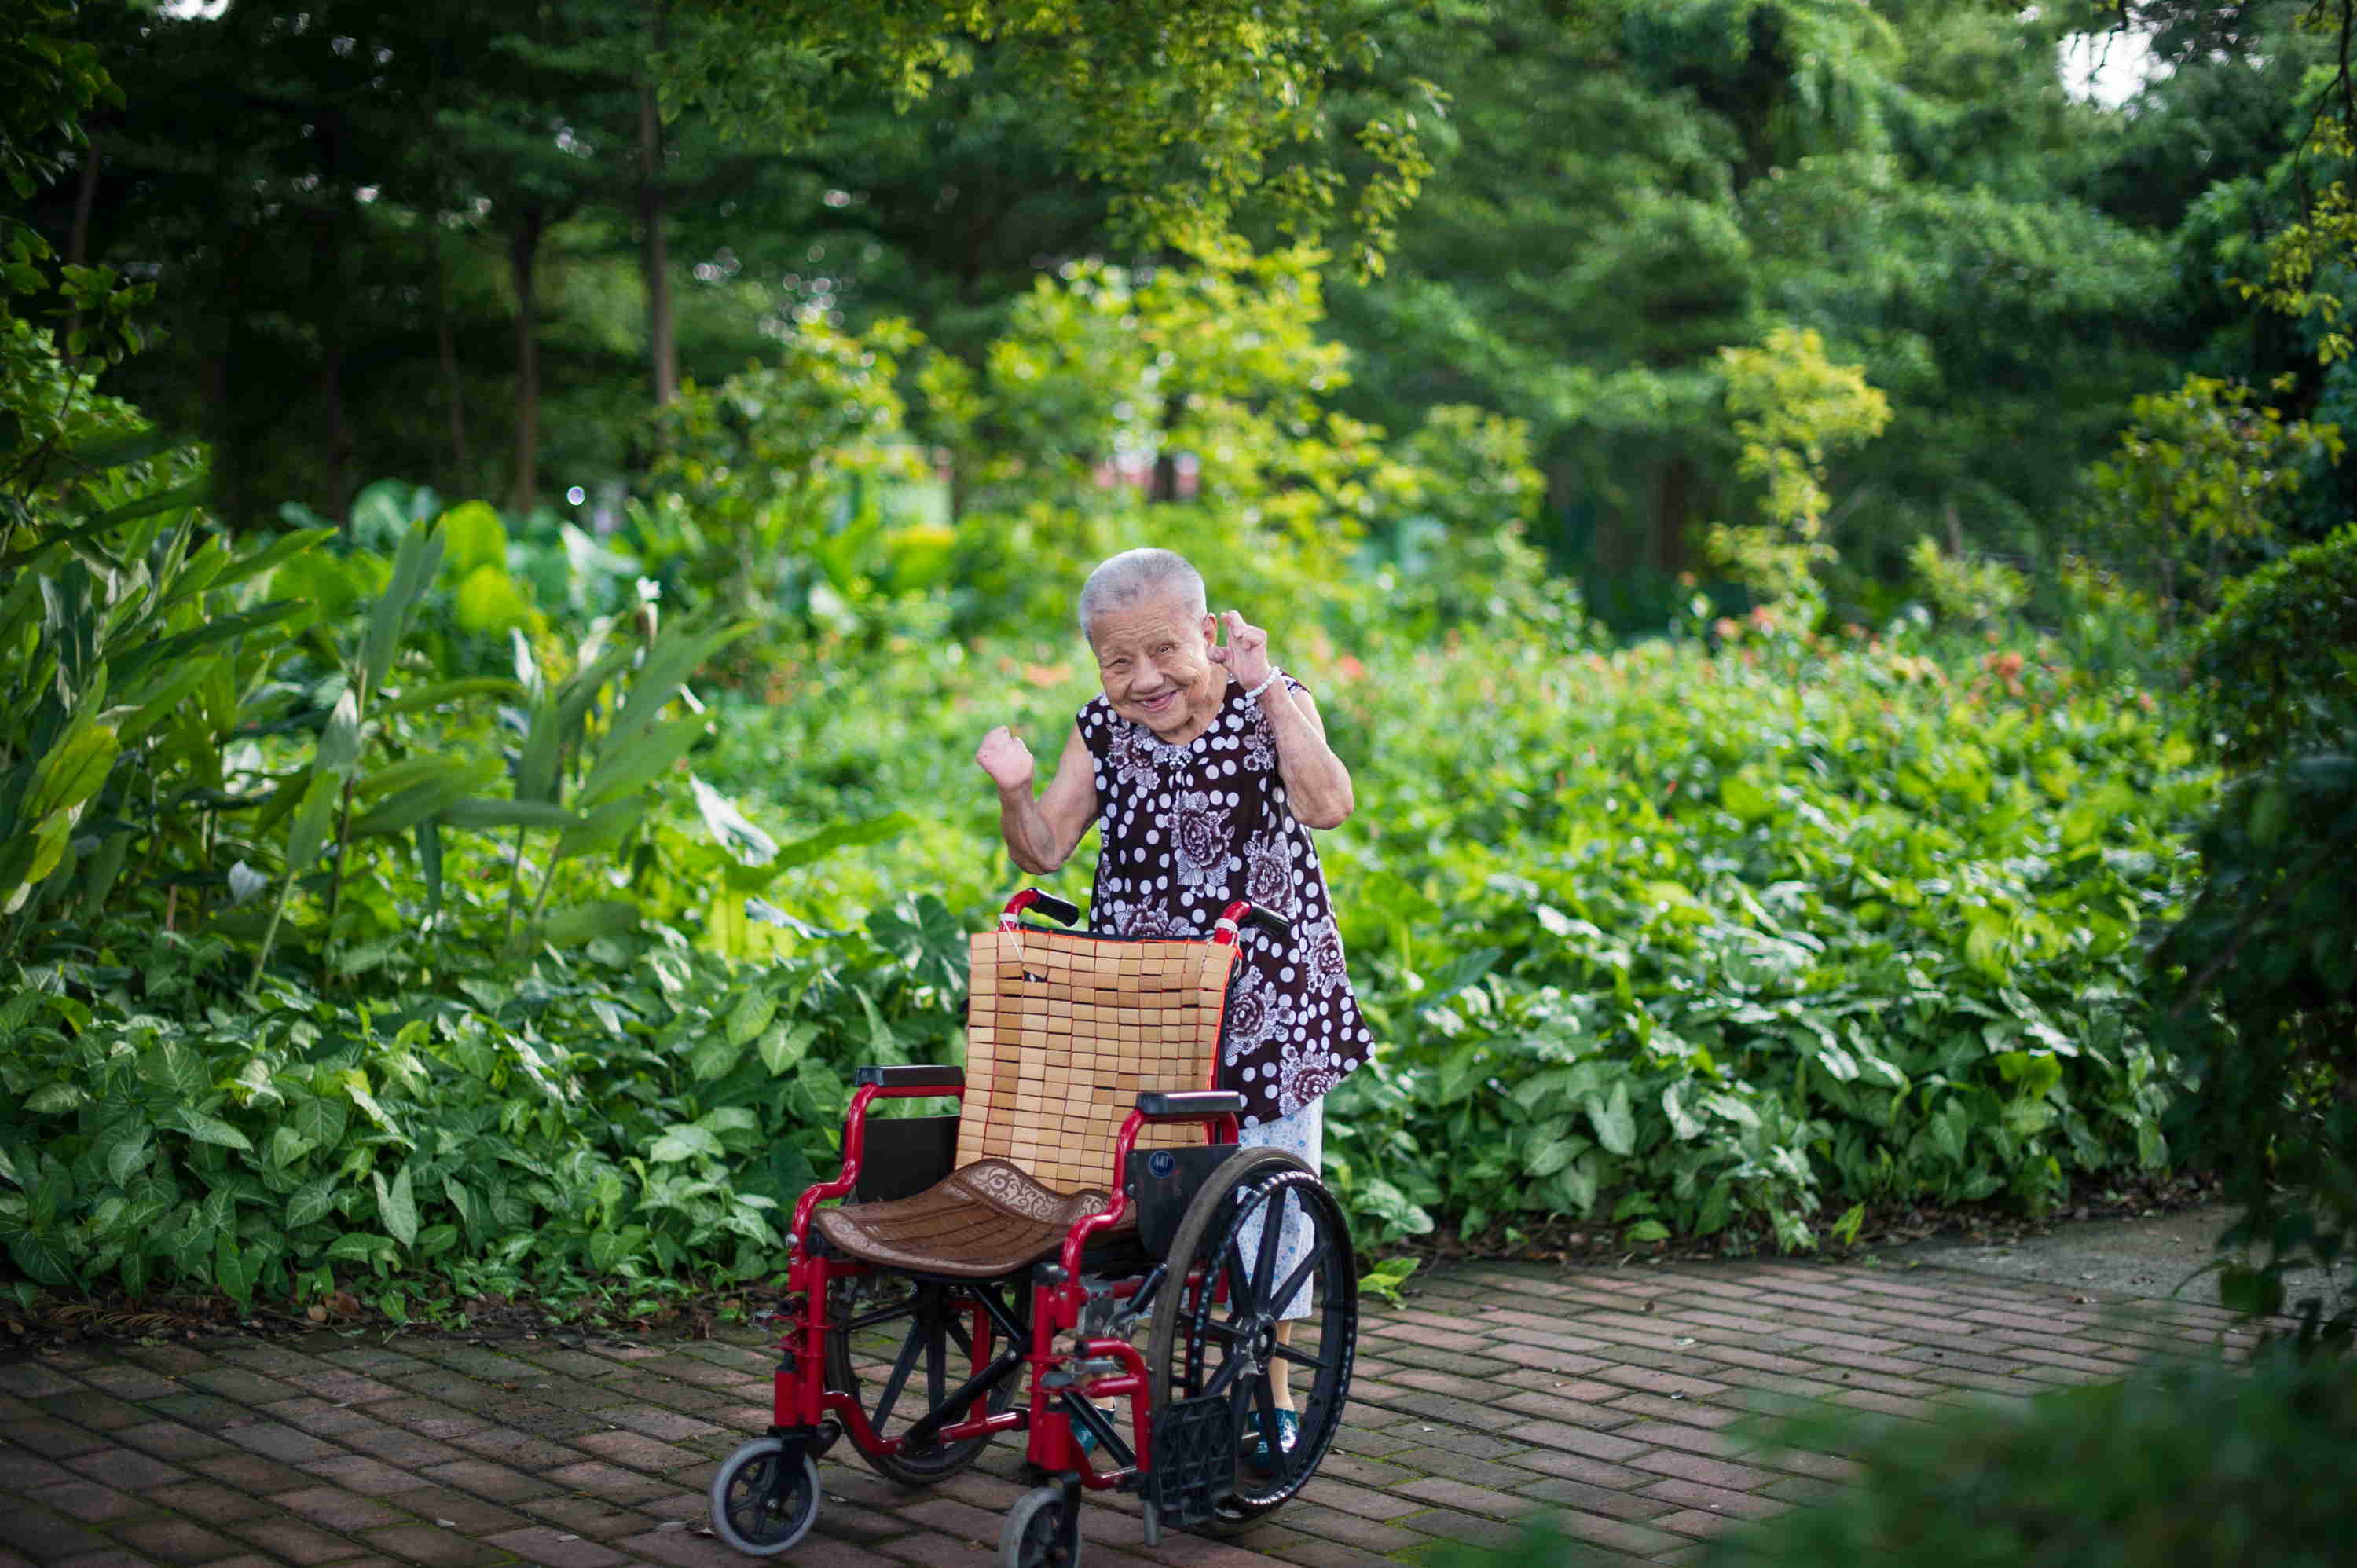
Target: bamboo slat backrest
1064	1031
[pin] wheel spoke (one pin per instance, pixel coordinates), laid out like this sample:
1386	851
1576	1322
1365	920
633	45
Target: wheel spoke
1241	1294
900	1377
1272	1234
1302	1358
1282	1295
937	1363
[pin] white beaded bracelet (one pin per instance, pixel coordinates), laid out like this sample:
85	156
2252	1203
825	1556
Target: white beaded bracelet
1274	674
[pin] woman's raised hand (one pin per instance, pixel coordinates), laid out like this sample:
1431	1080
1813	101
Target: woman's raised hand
1246	653
1007	759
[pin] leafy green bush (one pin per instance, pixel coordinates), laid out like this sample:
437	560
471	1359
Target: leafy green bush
1965	593
2257	990
2276	669
2198	488
2193	1466
1673	943
626	1113
2199	1466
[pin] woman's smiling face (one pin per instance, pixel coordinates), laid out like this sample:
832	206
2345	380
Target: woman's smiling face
1154	658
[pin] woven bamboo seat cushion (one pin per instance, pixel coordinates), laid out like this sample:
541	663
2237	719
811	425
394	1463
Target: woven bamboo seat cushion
984	1222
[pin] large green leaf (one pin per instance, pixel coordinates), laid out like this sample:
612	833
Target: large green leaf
169	650
396	1206
283	548
626	768
508	814
685	1141
73	772
421	699
444	783
842	835
544	750
414	568
578	924
601	829
210	1130
339	737
1615	1122
675	655
306	835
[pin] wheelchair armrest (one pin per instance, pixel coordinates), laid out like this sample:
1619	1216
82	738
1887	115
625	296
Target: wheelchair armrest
898	1081
1189	1104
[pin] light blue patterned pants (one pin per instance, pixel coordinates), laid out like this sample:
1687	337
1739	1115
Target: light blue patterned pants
1302	1135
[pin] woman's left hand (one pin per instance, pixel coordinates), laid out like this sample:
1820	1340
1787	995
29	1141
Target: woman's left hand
1246	653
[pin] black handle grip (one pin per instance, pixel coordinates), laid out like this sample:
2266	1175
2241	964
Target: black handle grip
1189	1104
918	1077
1063	911
1269	920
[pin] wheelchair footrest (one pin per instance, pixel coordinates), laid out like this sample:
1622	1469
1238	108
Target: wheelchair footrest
1194	1460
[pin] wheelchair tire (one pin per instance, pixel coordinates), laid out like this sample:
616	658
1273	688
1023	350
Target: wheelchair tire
1037	1534
744	1512
1200	1334
943	1358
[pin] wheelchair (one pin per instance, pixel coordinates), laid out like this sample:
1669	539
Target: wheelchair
992	1271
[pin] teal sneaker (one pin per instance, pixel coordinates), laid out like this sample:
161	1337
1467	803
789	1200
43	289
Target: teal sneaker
1085	1436
1255	1452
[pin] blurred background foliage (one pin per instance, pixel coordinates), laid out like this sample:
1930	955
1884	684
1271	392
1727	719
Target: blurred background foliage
1813	524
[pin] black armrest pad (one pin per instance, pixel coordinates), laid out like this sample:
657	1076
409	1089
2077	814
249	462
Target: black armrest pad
1189	1104
943	1078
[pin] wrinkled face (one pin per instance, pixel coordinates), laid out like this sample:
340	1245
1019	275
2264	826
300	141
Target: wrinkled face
1153	656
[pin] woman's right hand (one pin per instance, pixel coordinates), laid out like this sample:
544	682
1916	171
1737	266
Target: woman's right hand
1007	759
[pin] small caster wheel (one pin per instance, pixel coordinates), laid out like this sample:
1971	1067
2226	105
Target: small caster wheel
1042	1530
749	1510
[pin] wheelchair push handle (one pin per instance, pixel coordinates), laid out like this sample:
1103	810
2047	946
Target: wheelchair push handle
1240	913
1063	911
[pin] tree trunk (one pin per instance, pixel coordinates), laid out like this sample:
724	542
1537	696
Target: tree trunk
524	258
328	305
446	348
1672	505
1165	485
78	237
654	251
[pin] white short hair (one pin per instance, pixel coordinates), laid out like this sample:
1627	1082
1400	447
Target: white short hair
1134	574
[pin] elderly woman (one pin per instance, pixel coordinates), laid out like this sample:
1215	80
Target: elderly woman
1205	766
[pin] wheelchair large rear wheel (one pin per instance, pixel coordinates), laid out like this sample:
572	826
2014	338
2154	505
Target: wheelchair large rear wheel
1215	1320
902	1346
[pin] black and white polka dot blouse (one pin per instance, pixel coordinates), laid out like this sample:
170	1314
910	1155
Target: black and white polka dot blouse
1189	828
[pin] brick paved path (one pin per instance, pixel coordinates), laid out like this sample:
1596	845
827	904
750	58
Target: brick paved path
1605	1397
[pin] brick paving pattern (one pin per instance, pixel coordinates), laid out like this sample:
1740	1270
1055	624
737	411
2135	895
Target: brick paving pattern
1614	1401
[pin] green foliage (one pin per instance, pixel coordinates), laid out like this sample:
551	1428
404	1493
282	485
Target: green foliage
2196	490
2259	983
1197	115
786	488
2194	1464
1792	407
2276	669
1070	443
1966	593
2202	1465
1384	1279
630	1112
1777	927
1673	943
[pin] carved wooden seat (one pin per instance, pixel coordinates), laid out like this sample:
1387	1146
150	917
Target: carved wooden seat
1064	1031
